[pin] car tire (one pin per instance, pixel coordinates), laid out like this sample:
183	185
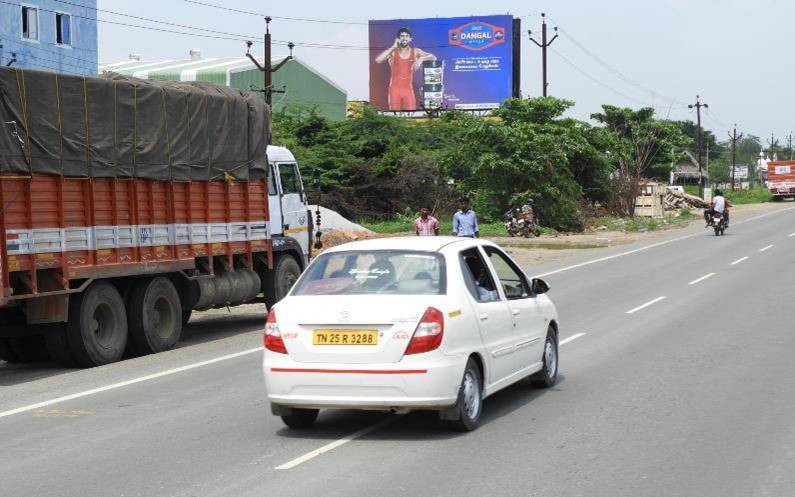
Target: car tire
301	418
548	375
468	408
155	314
97	327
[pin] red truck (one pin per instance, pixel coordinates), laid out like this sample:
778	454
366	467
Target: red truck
126	204
781	179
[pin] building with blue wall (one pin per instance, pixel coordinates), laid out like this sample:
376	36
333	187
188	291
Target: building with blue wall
50	35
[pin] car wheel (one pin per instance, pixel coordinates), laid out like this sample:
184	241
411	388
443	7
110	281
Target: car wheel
548	375
469	406
301	418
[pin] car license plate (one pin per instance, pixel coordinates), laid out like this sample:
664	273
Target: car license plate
345	337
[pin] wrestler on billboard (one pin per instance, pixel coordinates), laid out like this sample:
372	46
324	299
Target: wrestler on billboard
403	60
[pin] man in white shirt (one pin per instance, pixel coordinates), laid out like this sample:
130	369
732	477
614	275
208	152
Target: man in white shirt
719	204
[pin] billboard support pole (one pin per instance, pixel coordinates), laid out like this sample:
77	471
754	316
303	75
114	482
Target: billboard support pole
734	137
543	45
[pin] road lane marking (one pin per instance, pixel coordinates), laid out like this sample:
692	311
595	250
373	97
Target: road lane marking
765	248
571	338
741	259
699	280
647	304
114	386
791	235
337	443
653	245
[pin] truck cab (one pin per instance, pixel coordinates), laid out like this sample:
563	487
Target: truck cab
290	217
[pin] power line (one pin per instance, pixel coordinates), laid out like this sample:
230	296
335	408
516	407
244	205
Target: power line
603	85
618	73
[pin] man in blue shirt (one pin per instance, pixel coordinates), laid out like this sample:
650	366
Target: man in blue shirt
465	222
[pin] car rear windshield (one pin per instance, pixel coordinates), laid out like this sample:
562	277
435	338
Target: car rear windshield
382	272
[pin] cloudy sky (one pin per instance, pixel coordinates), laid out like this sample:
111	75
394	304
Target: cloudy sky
735	54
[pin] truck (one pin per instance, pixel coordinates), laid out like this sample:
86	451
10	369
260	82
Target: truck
781	179
127	204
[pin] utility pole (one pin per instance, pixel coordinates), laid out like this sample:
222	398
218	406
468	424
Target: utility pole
789	144
698	105
734	137
543	45
266	67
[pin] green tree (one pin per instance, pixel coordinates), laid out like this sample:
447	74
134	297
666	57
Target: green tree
636	141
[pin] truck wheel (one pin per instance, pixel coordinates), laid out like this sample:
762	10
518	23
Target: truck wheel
29	349
155	316
6	352
97	327
279	281
58	347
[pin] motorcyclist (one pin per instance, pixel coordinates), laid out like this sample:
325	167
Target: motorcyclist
527	210
719	204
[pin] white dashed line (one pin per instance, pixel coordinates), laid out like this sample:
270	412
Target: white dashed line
699	280
791	235
741	259
571	338
126	383
765	248
647	304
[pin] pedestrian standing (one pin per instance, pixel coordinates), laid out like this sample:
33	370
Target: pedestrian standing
426	225
465	222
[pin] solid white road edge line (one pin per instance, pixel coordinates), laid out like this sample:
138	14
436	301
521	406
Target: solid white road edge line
86	393
741	259
653	245
333	445
699	280
571	338
364	431
647	304
765	248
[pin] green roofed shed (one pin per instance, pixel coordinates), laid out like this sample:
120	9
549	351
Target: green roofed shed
303	84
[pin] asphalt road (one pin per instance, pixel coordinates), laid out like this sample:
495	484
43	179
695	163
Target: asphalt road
692	394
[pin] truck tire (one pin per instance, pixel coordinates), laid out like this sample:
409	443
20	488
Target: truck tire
155	316
278	282
29	349
97	327
58	347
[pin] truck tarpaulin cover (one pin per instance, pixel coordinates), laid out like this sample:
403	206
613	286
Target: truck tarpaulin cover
118	126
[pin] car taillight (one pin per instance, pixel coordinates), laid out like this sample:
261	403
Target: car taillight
429	333
273	337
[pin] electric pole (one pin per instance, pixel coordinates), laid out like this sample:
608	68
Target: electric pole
734	137
543	45
266	67
698	105
789	144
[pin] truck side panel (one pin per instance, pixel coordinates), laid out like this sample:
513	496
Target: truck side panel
62	229
781	178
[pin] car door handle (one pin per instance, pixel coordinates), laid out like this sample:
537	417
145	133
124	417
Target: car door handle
484	316
516	312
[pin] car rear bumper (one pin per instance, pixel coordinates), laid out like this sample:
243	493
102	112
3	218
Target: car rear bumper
424	381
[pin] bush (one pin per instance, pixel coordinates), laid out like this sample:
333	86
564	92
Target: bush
756	195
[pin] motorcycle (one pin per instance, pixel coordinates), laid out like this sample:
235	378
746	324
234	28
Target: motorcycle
518	224
719	223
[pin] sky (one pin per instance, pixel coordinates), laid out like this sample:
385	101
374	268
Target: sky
734	54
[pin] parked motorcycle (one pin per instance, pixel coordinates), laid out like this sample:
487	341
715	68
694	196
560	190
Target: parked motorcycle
519	224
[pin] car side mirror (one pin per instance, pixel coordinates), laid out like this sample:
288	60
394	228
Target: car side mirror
539	286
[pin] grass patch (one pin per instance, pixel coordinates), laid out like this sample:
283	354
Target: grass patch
754	196
637	224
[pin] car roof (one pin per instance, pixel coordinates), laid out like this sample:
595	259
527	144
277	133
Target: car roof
420	243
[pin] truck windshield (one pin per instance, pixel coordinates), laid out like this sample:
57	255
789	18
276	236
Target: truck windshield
385	272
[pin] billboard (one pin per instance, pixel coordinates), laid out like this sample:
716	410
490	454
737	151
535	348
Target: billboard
443	63
740	172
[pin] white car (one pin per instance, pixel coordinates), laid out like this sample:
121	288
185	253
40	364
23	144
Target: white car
400	324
